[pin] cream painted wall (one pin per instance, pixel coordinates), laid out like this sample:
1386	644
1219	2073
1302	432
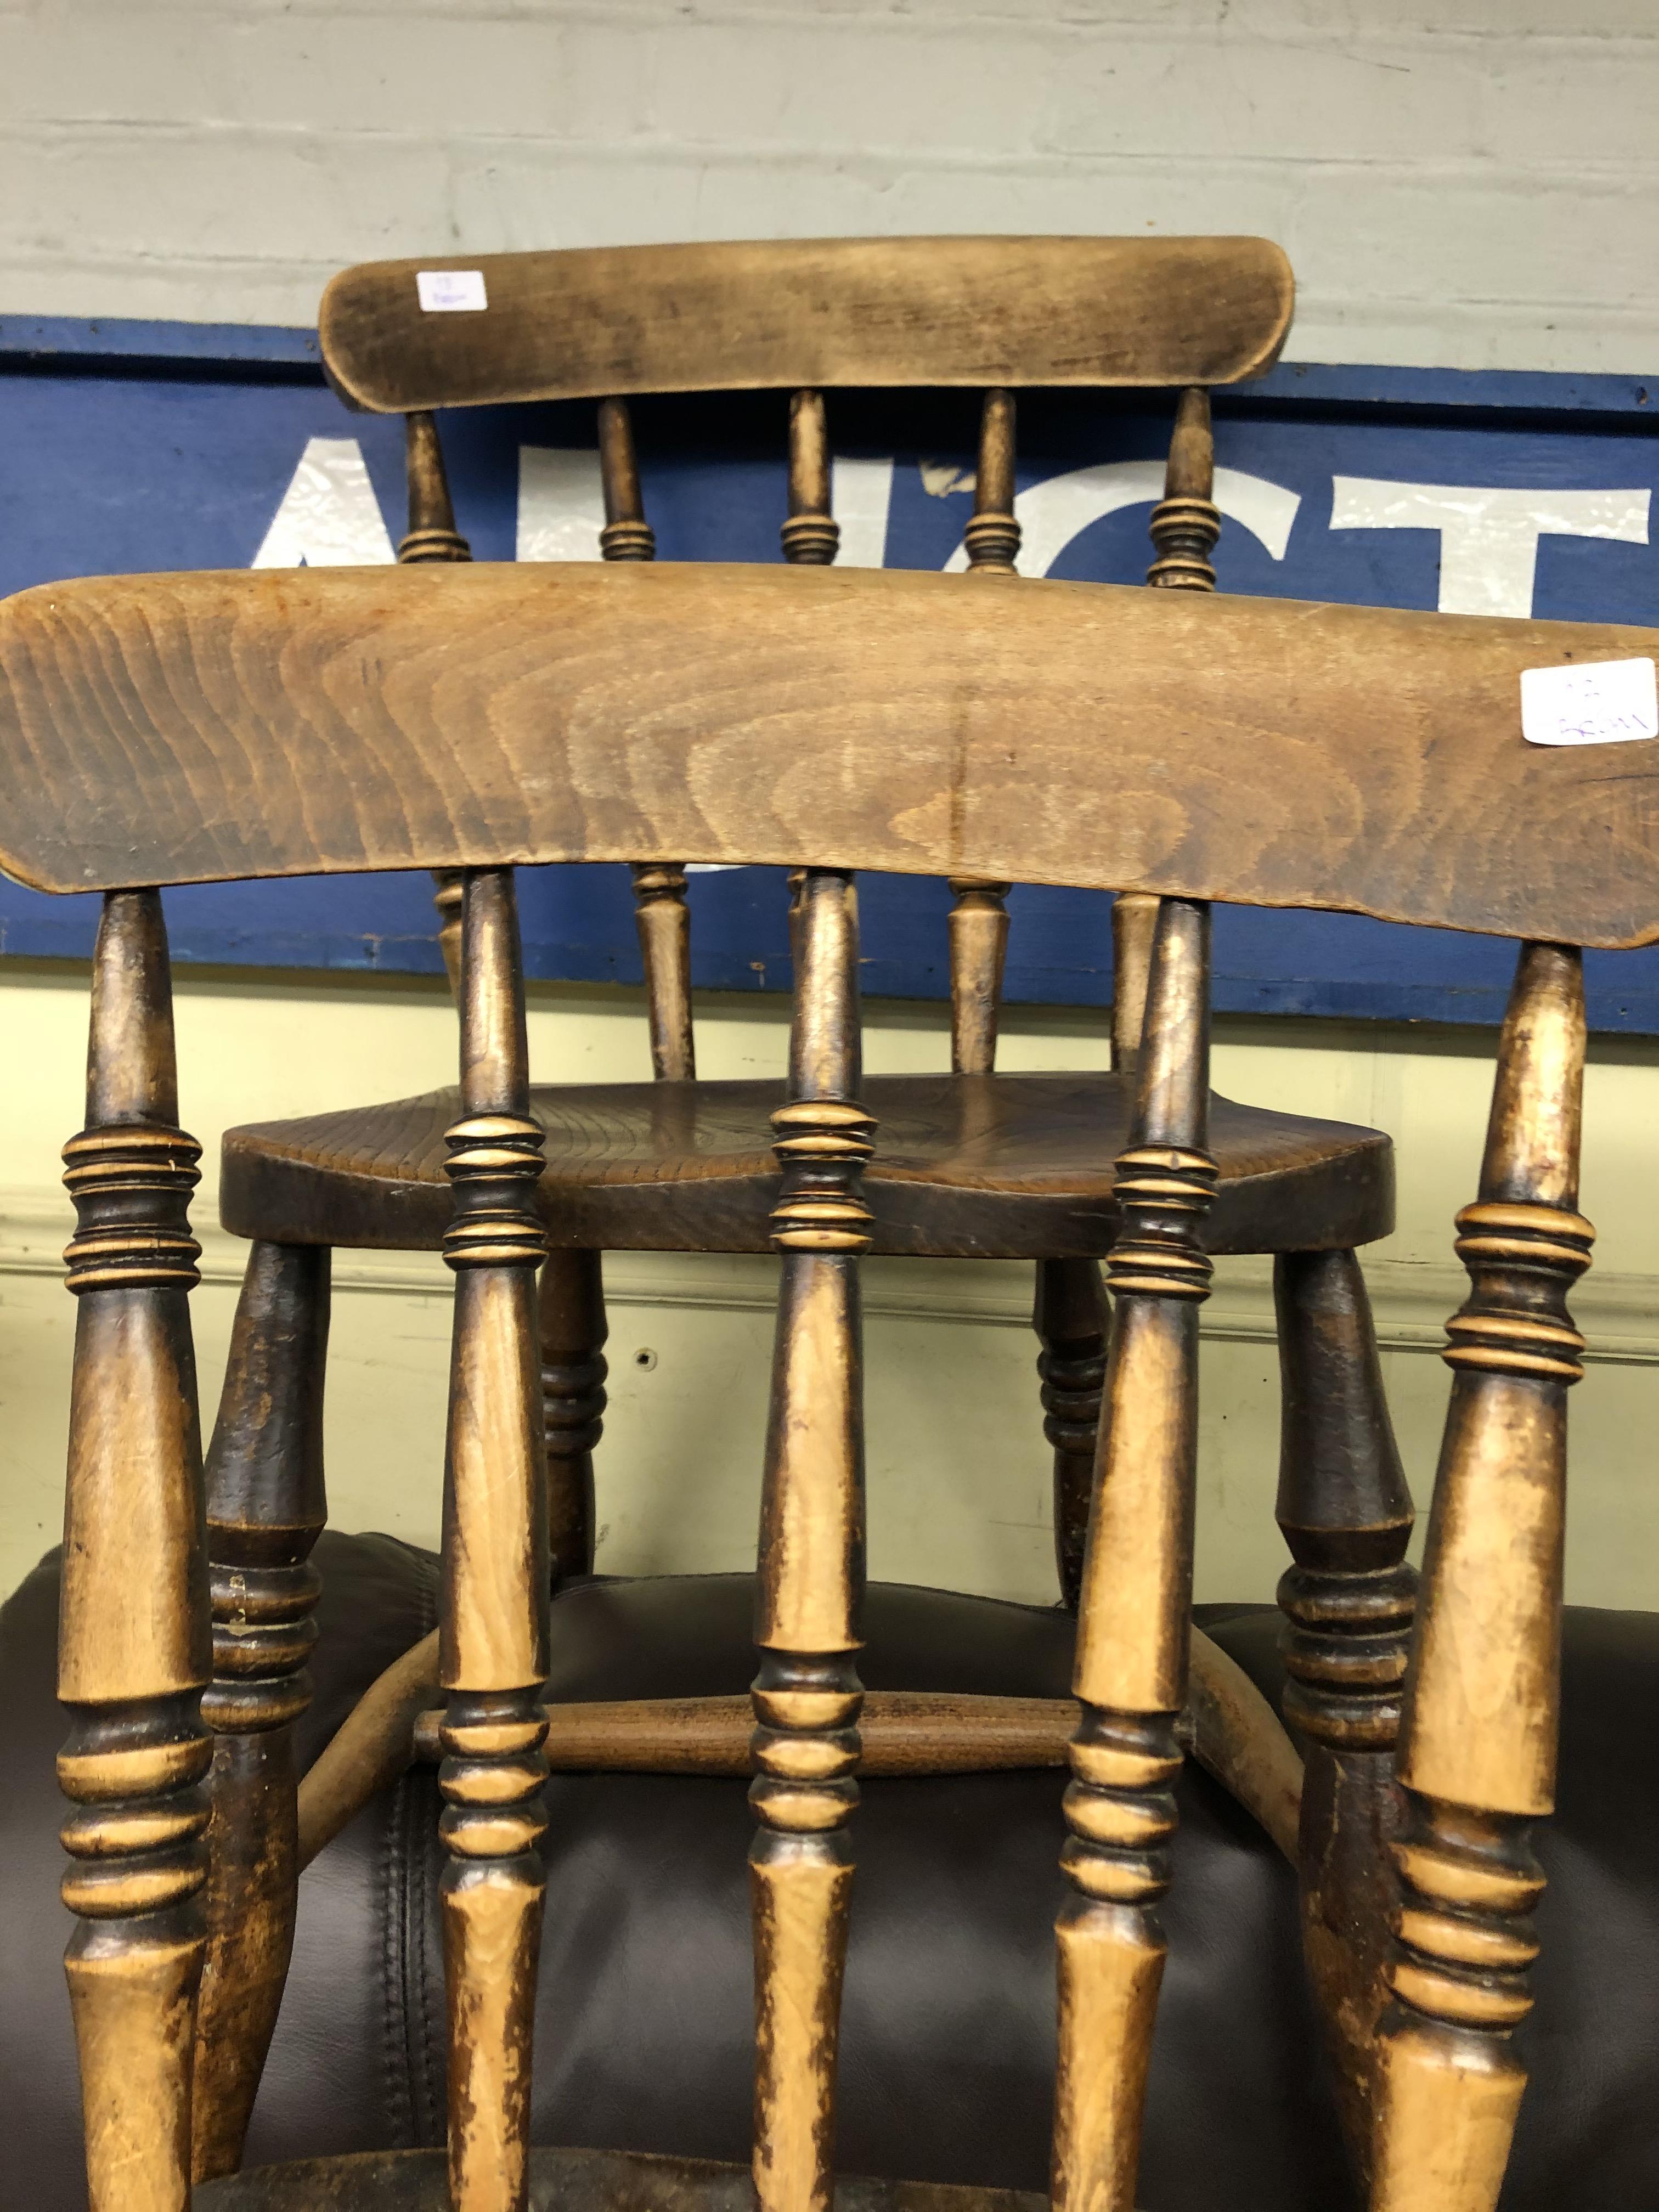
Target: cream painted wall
958	1471
1458	183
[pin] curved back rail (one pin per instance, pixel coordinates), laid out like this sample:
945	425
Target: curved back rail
1271	752
331	722
614	322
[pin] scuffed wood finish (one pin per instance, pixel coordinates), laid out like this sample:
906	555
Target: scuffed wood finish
1346	1516
978	948
1229	1729
901	1732
1135	924
979	912
372	1746
564	2180
992	536
1131	1664
1186	523
266	1508
135	1648
1184	527
810	535
1478	1734
1013	1167
493	1635
781	314
660	914
431	536
664	922
573	1332
1236	1737
626	535
806	1694
1069	1316
308	721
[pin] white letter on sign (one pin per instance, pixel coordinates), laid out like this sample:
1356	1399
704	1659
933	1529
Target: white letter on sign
329	517
561	504
1050	514
1488	537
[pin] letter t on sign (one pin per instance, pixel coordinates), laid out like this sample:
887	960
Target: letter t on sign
1488	537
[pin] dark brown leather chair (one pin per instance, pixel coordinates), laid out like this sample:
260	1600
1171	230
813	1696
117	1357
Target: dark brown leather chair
947	2054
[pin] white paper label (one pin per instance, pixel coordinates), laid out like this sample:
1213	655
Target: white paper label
1599	703
450	291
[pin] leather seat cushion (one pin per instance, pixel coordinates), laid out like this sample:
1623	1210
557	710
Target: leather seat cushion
645	2001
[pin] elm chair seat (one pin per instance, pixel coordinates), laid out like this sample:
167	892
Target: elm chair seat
1008	1166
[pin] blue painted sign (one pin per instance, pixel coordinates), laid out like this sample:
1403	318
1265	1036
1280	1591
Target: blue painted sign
157	446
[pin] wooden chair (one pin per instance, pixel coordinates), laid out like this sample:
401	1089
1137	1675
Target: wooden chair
320	723
970	1169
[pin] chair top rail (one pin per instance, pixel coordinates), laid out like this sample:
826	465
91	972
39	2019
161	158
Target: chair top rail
207	728
781	314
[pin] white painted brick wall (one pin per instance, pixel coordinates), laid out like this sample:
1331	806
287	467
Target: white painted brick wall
1469	183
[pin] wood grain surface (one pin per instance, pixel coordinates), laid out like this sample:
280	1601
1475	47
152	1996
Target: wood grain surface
267	1504
134	1647
781	313
1480	1714
1231	1731
1129	1669
1266	751
1013	1167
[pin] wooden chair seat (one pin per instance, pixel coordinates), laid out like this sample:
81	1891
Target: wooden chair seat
567	2181
1008	1166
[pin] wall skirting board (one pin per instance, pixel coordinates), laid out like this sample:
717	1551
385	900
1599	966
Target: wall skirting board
1617	1313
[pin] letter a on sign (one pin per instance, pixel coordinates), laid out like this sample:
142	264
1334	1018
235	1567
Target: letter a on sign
329	517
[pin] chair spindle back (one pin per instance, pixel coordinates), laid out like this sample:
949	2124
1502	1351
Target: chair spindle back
135	1651
493	1643
806	1694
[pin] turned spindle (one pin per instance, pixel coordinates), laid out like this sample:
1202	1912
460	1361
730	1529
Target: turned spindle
661	916
1184	527
1186	521
432	536
493	1632
1130	1675
626	535
810	536
806	1694
572	1329
266	1508
1069	1315
1478	1732
1346	1514
979	914
134	1650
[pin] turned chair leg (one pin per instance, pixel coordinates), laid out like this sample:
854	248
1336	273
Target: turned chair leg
1479	1725
573	1331
134	1651
1069	1316
266	1508
493	1637
806	1694
1346	1513
1130	1671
